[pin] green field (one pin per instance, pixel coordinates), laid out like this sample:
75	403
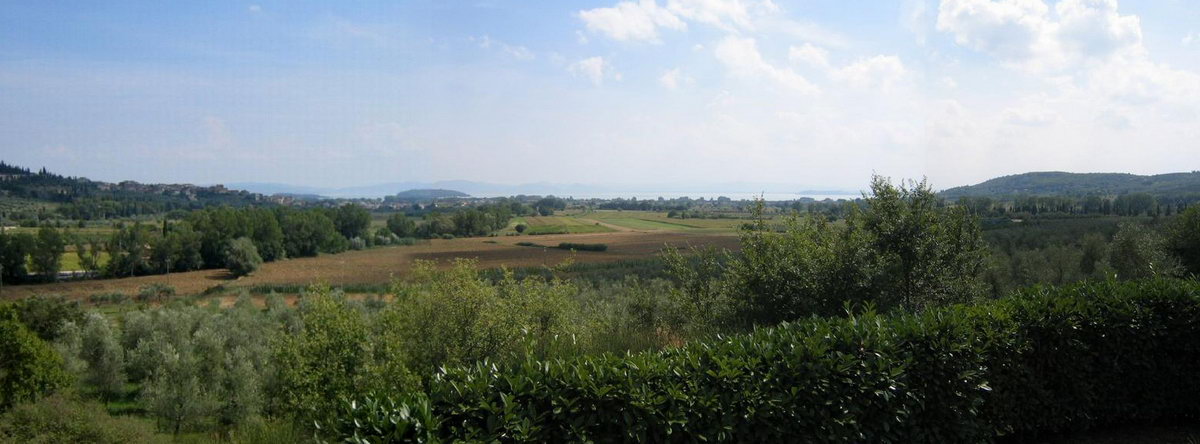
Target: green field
650	220
558	225
70	261
87	234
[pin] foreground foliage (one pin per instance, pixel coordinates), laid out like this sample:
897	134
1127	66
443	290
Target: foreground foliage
1047	360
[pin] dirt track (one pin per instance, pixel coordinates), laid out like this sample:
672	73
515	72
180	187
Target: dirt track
381	264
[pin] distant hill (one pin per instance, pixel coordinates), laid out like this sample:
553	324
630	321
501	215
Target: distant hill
81	198
428	194
1081	184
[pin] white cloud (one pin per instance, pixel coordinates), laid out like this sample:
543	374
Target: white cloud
1090	53
1094	27
641	20
1012	30
595	69
741	57
674	79
914	17
1193	38
883	72
724	14
631	21
254	8
517	52
1030	35
809	54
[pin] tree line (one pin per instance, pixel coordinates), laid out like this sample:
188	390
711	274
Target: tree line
1131	204
235	238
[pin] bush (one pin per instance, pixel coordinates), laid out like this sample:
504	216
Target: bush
447	236
29	367
1183	237
108	298
242	259
521	228
58	419
357	243
1046	361
155	292
44	315
582	247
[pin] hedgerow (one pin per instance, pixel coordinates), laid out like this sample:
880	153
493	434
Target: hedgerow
582	247
1047	360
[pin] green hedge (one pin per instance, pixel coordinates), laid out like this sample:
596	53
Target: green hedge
582	247
1044	361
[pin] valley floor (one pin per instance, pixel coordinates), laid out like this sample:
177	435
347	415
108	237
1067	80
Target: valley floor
380	265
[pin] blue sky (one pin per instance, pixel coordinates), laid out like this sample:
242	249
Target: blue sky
818	94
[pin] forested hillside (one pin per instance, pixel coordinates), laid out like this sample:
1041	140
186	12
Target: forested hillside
83	199
1081	184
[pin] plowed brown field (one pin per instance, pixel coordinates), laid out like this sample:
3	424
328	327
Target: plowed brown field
381	264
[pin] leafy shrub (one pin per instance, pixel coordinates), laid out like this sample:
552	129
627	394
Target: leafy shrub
46	314
29	367
357	243
1184	238
1140	252
521	228
109	298
59	419
1045	361
156	292
582	247
241	257
447	236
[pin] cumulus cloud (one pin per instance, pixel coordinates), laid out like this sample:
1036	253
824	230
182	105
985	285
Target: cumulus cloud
1193	38
1033	36
1012	30
595	69
1085	48
741	57
630	20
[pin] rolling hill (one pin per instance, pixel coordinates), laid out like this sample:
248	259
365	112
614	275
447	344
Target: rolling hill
1081	184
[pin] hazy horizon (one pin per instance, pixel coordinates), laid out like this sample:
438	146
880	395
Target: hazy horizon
817	94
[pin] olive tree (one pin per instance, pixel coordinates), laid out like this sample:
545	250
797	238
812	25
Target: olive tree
104	356
1138	252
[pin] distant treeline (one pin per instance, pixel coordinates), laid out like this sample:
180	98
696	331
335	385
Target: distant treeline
202	239
82	199
1132	204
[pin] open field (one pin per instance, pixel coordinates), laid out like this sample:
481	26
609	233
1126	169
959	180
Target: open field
540	225
380	265
651	220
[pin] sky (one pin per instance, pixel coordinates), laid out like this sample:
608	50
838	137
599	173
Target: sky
816	93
